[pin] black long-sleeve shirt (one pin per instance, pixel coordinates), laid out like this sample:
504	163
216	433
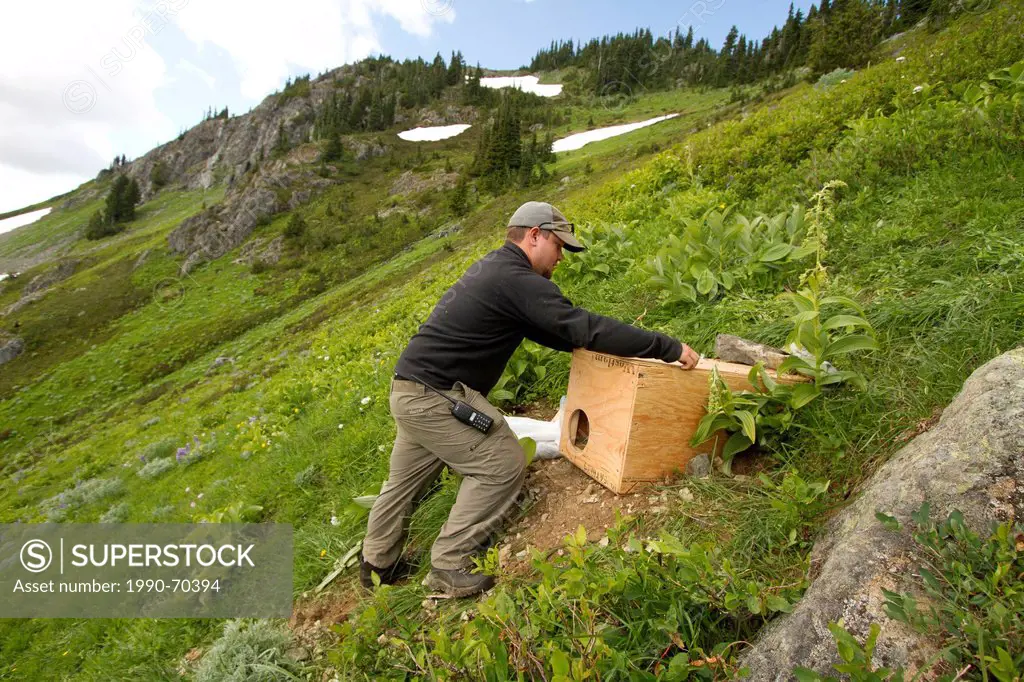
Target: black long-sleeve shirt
482	319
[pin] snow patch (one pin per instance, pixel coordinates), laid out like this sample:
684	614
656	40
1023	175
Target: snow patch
21	220
524	83
433	133
567	144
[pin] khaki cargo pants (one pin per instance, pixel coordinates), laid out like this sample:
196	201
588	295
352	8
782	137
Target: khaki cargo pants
429	437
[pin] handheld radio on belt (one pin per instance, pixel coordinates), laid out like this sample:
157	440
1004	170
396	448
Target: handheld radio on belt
462	411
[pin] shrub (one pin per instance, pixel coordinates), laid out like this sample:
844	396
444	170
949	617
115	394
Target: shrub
296	227
835	77
249	651
98	227
116	514
722	251
155	467
57	508
161	448
159	175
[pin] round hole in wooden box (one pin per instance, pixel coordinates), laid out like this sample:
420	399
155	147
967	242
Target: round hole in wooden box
579	429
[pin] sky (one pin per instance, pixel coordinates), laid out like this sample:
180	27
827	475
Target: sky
84	82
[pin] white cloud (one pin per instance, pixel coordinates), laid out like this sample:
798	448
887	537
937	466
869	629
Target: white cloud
267	40
79	79
75	76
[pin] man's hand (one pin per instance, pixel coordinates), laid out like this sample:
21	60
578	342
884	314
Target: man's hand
689	358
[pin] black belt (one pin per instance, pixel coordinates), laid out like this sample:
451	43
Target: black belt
416	381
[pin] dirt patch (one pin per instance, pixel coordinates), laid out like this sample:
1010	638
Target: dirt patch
564	499
313	617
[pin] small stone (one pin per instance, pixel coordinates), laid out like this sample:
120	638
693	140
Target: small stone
658	510
504	553
521	554
591	500
699	466
543	518
685	495
603	542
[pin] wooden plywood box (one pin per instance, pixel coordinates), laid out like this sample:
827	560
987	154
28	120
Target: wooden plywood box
629	421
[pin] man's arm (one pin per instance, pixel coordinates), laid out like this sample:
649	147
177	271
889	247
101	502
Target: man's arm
563	326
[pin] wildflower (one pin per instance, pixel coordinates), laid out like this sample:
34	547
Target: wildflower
200	496
341	426
365	401
918	89
901	59
188	489
323	553
192	504
252	420
142	458
335	521
295	409
380	448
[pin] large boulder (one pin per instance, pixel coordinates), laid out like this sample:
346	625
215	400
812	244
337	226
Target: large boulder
973	461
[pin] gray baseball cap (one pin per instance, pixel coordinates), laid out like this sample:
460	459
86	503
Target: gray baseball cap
546	217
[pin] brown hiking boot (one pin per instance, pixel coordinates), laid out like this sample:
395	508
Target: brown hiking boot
458	583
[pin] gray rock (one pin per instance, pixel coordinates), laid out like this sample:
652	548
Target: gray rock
971	461
24	301
699	466
11	349
222	360
734	349
64	269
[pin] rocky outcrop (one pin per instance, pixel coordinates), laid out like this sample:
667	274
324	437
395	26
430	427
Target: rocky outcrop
64	269
228	148
973	461
219	229
427	116
10	348
410	182
259	249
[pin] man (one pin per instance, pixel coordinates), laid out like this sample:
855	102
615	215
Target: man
462	350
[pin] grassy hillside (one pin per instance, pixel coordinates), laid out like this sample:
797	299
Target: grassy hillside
927	236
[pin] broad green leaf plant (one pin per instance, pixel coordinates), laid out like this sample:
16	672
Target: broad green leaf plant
748	416
724	251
